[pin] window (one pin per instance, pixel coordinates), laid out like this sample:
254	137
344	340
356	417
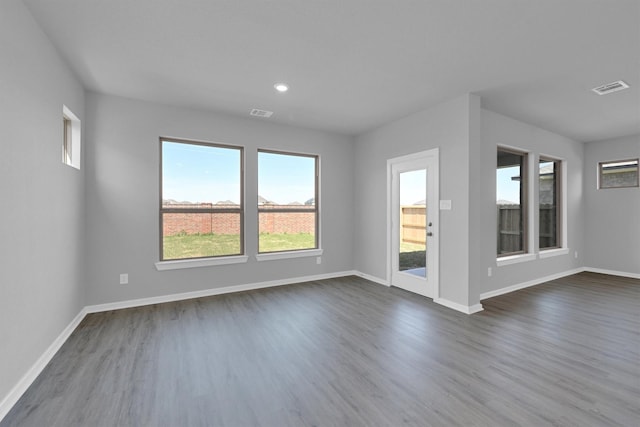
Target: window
618	174
70	138
549	191
66	141
287	201
201	200
511	196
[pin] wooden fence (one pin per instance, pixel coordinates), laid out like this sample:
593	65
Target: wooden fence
548	226
413	224
509	228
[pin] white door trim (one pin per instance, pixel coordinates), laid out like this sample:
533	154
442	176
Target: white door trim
433	212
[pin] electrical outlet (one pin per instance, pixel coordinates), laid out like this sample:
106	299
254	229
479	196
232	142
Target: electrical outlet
489	272
575	254
319	260
124	279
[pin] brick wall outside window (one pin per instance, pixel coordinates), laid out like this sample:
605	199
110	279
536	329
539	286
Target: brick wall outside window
229	223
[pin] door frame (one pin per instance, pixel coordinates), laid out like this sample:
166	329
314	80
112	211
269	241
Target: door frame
432	159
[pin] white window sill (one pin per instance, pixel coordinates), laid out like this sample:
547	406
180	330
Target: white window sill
200	262
289	254
515	259
553	252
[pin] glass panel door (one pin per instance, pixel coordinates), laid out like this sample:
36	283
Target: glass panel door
413	222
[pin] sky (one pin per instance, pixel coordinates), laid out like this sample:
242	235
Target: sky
198	173
413	187
286	179
203	174
506	188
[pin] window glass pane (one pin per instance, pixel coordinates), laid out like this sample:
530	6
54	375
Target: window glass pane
201	194
619	174
287	231
510	202
197	235
548	204
66	143
412	257
286	202
286	180
200	176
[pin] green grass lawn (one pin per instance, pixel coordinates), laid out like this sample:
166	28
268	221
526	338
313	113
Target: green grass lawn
208	245
412	255
285	242
200	245
411	260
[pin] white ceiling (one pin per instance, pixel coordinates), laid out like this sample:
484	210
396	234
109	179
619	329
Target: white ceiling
354	65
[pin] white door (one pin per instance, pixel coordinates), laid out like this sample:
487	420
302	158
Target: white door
413	212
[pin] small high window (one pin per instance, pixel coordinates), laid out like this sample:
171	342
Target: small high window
70	138
618	174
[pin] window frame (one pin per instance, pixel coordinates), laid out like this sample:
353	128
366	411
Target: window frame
600	173
559	201
201	261
291	253
525	253
71	138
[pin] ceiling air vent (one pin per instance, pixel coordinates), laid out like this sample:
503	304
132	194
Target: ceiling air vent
610	87
261	113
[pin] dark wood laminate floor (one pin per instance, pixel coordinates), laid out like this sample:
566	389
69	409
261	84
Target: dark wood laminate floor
348	352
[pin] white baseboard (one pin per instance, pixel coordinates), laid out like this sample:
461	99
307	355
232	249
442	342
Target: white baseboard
211	292
449	304
466	309
27	379
529	283
540	280
612	272
372	278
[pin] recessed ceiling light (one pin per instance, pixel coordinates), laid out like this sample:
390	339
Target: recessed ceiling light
281	87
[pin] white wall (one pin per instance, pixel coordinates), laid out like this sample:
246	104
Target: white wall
613	215
500	130
122	158
42	214
447	126
468	137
